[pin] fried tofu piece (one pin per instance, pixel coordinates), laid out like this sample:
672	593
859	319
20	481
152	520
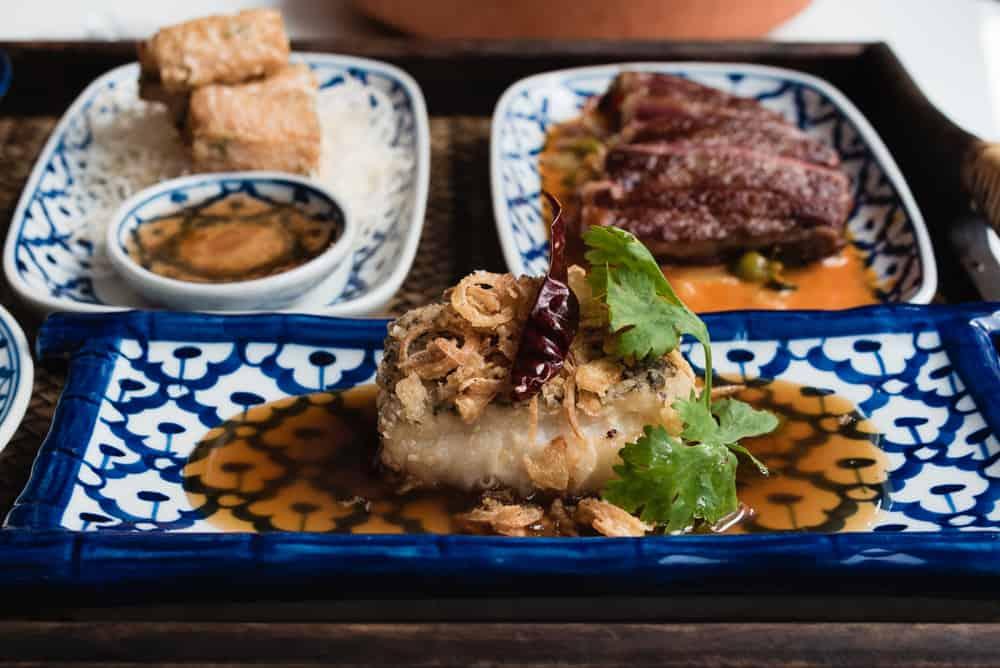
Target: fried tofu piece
269	124
216	50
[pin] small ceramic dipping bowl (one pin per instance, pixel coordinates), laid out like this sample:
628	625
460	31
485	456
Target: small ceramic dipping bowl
234	241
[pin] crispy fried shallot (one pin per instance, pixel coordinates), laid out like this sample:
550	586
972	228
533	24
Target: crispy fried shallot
549	469
505	519
609	519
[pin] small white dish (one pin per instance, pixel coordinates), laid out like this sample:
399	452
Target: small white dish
271	292
17	376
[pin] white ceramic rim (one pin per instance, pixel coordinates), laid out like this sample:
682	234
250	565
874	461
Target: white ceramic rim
993	241
26	380
928	285
373	300
129	268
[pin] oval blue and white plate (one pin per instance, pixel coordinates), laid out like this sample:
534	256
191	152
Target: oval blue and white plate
17	376
885	223
54	254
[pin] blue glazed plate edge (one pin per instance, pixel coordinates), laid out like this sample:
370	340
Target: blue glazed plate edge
33	557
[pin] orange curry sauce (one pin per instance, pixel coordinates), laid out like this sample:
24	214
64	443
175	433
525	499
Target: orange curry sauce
837	282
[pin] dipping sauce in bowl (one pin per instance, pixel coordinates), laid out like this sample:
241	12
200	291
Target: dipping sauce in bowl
235	238
232	241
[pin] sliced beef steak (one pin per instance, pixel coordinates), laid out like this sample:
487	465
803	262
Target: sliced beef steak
720	129
694	203
700	175
703	235
644	171
646	95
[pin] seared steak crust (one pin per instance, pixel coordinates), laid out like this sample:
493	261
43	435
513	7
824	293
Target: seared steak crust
714	129
700	175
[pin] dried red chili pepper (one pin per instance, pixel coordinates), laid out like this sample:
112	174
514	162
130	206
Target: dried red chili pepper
552	323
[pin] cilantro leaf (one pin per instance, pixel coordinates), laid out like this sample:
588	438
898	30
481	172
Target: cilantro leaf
645	313
646	325
666	480
617	248
699	425
736	420
668	483
761	466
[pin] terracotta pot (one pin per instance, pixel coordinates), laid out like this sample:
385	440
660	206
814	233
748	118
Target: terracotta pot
574	19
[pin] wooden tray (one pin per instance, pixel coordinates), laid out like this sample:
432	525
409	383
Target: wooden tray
461	82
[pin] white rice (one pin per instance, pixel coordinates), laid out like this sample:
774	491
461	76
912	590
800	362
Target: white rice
358	162
135	146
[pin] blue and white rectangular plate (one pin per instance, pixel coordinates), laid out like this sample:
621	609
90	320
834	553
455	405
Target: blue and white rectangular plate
53	262
885	224
143	388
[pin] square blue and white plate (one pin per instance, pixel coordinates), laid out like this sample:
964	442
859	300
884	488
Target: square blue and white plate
885	224
108	145
144	388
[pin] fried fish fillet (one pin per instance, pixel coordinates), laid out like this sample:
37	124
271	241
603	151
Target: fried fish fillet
445	412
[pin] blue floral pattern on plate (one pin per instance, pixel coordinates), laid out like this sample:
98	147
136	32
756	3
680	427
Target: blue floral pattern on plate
49	258
928	378
16	376
885	223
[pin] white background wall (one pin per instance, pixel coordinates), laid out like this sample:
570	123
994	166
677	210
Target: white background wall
952	47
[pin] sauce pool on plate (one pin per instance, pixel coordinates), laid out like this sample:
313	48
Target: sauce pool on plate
234	238
306	463
827	473
836	282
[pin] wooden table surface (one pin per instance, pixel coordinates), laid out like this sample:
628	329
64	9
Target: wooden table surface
580	645
684	630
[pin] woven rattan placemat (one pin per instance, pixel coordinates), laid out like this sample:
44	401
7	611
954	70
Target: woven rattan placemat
458	236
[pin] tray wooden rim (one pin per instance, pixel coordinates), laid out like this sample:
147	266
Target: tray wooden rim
946	151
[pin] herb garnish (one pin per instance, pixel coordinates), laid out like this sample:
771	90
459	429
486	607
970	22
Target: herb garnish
670	481
646	314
